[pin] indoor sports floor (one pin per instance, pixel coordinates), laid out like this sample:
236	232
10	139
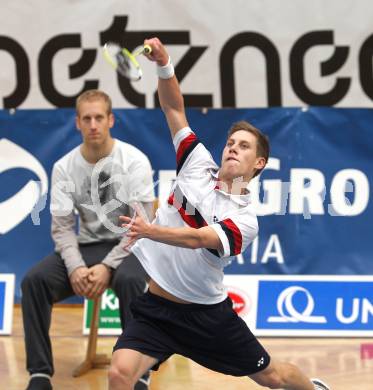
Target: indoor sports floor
345	364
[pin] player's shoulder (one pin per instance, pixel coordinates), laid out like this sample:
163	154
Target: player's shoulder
247	216
242	209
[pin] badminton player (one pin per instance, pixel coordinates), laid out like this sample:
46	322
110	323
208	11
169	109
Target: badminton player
208	220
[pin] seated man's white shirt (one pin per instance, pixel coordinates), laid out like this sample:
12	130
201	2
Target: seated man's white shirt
196	275
100	193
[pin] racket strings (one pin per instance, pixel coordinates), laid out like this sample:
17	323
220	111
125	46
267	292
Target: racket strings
124	61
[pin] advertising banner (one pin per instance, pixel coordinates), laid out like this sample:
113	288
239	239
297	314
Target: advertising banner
6	303
317	305
297	306
227	54
109	319
313	200
306	72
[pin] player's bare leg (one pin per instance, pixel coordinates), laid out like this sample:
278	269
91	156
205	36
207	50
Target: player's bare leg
280	375
127	367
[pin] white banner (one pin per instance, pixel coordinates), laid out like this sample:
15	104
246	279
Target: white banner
7	282
228	53
278	305
304	305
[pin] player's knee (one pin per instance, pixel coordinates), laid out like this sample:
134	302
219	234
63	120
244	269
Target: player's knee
289	372
119	377
275	382
271	379
278	376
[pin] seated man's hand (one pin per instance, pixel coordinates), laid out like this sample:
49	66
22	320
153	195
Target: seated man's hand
99	279
79	281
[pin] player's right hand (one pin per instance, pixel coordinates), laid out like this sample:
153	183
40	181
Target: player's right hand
159	53
79	280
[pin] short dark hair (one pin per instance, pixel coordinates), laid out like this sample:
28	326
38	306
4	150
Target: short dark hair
94	94
262	141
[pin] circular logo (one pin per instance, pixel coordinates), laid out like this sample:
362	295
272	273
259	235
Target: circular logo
287	311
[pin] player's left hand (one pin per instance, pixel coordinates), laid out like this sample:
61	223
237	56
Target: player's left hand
136	227
99	278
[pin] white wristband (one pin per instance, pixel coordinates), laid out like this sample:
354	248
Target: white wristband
166	71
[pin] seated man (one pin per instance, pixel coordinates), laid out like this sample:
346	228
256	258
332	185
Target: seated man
99	179
208	220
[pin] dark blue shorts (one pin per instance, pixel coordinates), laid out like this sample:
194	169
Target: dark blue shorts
213	336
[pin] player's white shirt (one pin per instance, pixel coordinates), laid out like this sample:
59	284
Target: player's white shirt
196	275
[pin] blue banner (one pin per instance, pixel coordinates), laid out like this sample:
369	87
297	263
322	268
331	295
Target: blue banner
313	199
310	305
304	305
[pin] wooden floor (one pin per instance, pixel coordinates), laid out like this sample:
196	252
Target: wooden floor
339	362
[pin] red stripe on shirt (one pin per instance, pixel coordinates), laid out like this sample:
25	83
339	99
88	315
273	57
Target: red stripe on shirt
237	236
190	220
184	144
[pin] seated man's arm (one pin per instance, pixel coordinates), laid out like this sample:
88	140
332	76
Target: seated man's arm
66	242
63	231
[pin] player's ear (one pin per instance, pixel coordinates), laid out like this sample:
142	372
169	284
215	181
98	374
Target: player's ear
260	163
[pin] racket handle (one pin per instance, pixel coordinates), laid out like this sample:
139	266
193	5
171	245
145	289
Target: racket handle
147	49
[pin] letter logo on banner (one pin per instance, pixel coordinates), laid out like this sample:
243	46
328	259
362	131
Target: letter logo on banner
287	311
109	301
242	303
16	208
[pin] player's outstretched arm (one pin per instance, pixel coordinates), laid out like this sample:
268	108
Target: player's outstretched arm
170	97
185	237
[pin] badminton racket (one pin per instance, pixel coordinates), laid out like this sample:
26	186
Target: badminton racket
124	61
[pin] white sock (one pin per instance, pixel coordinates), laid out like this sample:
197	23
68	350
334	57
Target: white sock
41	375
